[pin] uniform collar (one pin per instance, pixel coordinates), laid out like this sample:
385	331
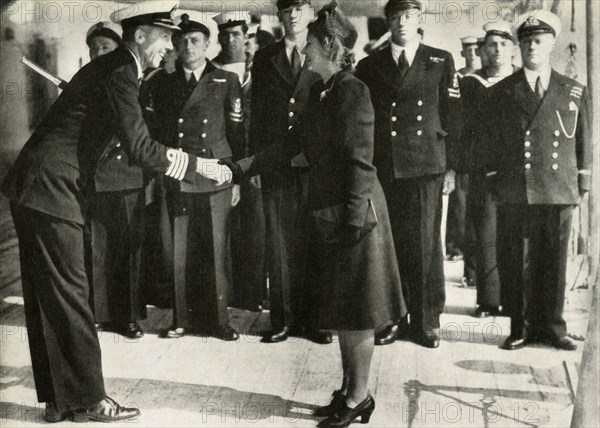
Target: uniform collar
532	76
289	48
140	70
411	51
197	72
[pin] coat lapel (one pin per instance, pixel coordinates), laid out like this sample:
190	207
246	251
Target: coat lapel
417	68
204	87
556	89
282	64
524	97
388	69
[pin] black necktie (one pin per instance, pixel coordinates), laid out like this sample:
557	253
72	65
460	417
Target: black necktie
296	63
539	89
403	65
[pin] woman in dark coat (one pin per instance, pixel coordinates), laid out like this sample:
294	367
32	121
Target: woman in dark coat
352	261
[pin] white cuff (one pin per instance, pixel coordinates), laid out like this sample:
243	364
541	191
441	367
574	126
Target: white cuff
491	174
179	163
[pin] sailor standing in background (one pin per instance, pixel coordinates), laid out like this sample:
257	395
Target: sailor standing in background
538	164
481	248
456	223
416	96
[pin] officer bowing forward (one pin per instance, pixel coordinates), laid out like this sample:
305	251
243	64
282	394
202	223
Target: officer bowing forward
538	164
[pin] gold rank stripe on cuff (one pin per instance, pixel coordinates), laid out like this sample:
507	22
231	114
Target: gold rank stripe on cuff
585	172
179	163
491	174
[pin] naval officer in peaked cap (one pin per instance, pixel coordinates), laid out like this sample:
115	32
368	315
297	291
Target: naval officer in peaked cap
539	167
416	95
96	120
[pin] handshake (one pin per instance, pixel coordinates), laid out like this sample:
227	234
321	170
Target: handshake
214	170
221	171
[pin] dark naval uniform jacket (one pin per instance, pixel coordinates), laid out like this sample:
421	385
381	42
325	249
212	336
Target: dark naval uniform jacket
208	122
417	119
90	136
278	99
541	153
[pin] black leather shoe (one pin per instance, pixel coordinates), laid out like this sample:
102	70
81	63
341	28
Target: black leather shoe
52	415
174	332
513	343
108	410
276	336
132	330
338	400
564	343
428	339
345	416
388	335
228	333
322	337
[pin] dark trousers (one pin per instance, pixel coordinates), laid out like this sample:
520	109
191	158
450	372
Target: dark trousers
65	353
415	208
533	253
482	210
457	215
157	251
202	254
116	227
248	248
286	215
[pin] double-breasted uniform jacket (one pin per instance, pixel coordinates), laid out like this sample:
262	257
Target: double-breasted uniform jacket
208	122
418	118
88	139
359	286
278	99
539	153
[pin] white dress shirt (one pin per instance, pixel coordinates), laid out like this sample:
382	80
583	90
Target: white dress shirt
197	72
532	77
411	52
289	49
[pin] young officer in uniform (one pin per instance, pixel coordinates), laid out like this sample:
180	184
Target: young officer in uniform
248	219
415	92
200	111
281	86
481	207
539	168
95	120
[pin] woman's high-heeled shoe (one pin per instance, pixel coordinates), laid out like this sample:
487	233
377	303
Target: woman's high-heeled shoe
344	417
338	399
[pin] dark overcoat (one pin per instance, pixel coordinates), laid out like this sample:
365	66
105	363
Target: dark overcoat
358	286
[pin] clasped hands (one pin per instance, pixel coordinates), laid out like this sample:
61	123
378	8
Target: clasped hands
214	170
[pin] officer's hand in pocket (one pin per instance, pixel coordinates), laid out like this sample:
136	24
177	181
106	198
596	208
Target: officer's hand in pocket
255	181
